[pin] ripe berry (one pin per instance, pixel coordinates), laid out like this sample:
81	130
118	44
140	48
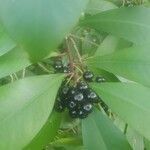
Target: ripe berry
65	90
92	96
87	107
82	86
82	114
88	76
59	106
66	69
72	105
72	91
73	113
78	96
100	79
58	65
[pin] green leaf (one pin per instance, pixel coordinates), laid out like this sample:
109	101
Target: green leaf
6	43
100	133
97	6
13	61
40	26
110	45
46	134
25	107
132	63
132	24
130	101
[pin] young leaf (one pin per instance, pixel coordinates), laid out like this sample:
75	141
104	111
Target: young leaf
25	107
39	26
46	134
13	61
100	133
130	101
132	24
131	63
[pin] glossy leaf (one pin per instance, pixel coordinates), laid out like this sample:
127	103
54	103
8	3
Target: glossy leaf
39	26
132	63
6	43
25	107
132	24
47	133
13	61
130	101
100	133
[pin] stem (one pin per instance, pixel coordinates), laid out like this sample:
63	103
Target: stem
77	51
15	75
71	60
80	38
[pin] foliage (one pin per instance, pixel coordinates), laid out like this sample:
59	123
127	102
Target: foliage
110	38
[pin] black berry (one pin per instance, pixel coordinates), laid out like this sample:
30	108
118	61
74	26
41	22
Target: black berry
73	113
92	96
65	90
72	105
82	114
72	91
87	107
59	106
88	76
78	96
82	86
100	79
66	69
58	66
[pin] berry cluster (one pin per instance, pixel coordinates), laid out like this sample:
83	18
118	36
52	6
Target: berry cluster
79	99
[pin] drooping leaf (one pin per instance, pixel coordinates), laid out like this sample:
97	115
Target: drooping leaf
39	26
6	43
25	106
13	61
132	63
130	101
132	24
46	134
100	133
